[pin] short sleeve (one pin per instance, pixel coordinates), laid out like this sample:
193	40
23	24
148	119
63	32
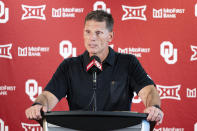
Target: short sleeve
138	75
58	85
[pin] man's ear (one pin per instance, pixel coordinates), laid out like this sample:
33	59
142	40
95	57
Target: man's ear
111	36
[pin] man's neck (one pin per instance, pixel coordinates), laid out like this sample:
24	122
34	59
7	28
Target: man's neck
103	55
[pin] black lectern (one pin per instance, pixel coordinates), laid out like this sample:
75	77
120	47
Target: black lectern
95	121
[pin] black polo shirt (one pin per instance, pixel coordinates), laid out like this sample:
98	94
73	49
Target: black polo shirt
122	75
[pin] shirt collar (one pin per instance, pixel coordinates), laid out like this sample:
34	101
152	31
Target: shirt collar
109	60
111	57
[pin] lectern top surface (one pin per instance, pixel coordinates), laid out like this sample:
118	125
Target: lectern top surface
97	113
94	121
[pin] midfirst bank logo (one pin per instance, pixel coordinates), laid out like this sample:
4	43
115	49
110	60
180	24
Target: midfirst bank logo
191	93
138	52
4	12
168	129
167	51
32	51
194	56
167	13
66	50
5	89
31	127
5	51
100	5
3	127
66	12
169	92
132	12
33	12
32	89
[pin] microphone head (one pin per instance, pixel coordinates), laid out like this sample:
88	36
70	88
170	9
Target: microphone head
94	65
96	58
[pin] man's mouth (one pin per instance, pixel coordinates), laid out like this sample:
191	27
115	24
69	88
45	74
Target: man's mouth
92	45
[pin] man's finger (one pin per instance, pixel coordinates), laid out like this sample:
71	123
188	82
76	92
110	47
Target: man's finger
37	113
44	109
150	115
159	122
159	117
155	115
31	113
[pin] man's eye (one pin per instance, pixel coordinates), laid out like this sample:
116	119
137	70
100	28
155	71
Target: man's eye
98	33
87	31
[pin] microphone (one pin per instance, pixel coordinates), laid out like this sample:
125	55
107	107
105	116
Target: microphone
94	65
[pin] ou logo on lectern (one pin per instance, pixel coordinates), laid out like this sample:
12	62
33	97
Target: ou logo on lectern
32	89
2	126
3	11
68	51
169	52
101	4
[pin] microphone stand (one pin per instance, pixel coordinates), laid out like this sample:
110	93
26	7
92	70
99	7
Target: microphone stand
94	89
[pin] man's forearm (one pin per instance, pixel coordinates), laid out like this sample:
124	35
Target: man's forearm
42	99
153	98
150	96
47	99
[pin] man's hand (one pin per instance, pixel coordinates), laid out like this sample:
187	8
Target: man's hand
34	112
47	99
154	114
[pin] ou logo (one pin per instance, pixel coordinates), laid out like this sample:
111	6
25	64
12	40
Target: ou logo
136	99
102	4
3	11
66	49
195	127
32	89
3	127
167	51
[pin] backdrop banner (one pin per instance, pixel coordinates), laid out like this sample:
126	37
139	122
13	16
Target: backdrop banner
36	36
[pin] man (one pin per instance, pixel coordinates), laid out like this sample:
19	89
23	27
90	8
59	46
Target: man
122	75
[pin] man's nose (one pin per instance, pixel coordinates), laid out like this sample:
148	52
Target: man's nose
93	37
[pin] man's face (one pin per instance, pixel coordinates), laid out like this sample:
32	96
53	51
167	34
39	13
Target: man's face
96	37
